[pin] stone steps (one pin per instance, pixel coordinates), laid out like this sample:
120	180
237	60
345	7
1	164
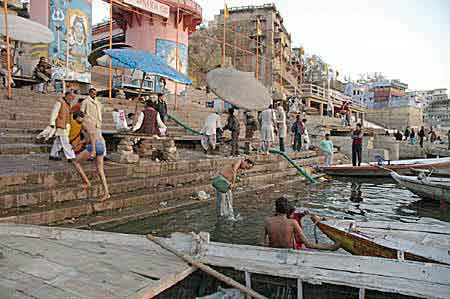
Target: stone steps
23	148
59	196
85	207
11	138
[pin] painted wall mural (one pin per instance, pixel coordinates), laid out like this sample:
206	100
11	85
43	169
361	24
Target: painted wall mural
167	50
70	20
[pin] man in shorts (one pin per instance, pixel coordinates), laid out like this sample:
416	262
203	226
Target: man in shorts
95	150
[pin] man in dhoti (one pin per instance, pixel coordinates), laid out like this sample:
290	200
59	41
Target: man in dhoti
268	120
224	184
209	132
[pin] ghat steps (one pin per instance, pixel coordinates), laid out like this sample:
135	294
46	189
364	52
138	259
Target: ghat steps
52	196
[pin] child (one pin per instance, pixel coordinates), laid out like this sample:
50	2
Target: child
326	146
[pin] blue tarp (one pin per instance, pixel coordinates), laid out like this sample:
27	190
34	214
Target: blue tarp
146	62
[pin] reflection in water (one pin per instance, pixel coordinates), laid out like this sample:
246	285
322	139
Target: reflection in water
372	199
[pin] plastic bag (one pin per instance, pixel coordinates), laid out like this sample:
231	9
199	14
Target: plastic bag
120	120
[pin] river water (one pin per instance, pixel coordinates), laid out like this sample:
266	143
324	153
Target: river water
370	199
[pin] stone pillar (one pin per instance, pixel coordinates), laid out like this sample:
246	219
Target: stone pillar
321	109
125	152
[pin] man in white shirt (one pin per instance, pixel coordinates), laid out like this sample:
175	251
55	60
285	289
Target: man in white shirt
209	131
268	120
282	127
92	107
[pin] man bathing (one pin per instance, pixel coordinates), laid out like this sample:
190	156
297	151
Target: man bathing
281	232
95	150
224	184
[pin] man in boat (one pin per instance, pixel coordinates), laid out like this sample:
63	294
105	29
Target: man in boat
95	151
280	231
224	184
357	141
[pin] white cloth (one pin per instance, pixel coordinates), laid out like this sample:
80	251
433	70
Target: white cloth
140	120
306	141
120	120
224	205
212	122
281	121
268	119
62	143
209	141
47	133
54	116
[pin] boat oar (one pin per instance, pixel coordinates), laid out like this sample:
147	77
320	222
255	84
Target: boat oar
188	259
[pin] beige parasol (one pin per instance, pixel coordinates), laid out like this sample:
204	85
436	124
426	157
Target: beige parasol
24	30
240	89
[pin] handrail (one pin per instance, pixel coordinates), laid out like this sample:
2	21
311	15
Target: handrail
272	150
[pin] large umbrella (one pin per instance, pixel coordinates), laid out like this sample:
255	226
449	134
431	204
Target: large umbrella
146	62
24	30
240	89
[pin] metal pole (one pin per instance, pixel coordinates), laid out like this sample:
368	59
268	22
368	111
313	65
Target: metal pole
257	49
8	59
110	47
177	52
224	33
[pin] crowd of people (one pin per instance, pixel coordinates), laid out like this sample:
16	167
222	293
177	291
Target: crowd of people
77	127
410	135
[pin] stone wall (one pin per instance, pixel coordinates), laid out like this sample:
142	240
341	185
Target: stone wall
396	118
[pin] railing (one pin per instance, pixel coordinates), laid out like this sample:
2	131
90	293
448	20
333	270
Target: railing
337	97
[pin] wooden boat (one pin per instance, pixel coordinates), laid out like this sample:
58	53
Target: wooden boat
409	241
440	166
49	262
426	187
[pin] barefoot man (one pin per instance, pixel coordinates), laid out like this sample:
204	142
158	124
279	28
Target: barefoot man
280	231
224	184
95	150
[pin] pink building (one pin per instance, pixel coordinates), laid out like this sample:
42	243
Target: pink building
150	25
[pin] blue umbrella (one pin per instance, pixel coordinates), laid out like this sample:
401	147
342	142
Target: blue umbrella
146	62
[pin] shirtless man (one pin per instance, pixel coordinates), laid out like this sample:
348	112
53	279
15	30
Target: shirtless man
280	231
95	150
224	184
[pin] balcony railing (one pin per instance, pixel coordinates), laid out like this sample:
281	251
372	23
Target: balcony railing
338	98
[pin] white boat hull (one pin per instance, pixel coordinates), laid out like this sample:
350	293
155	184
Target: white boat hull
427	188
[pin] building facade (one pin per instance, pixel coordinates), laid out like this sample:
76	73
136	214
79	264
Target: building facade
437	113
252	28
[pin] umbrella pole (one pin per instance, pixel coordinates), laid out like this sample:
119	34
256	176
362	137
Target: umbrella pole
138	97
8	59
110	47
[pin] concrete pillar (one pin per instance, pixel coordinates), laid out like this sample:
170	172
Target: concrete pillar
308	103
321	109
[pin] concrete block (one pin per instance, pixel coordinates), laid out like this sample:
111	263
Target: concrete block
378	152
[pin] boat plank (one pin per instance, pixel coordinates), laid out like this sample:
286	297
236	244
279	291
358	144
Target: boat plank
316	276
382	225
336	262
166	282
